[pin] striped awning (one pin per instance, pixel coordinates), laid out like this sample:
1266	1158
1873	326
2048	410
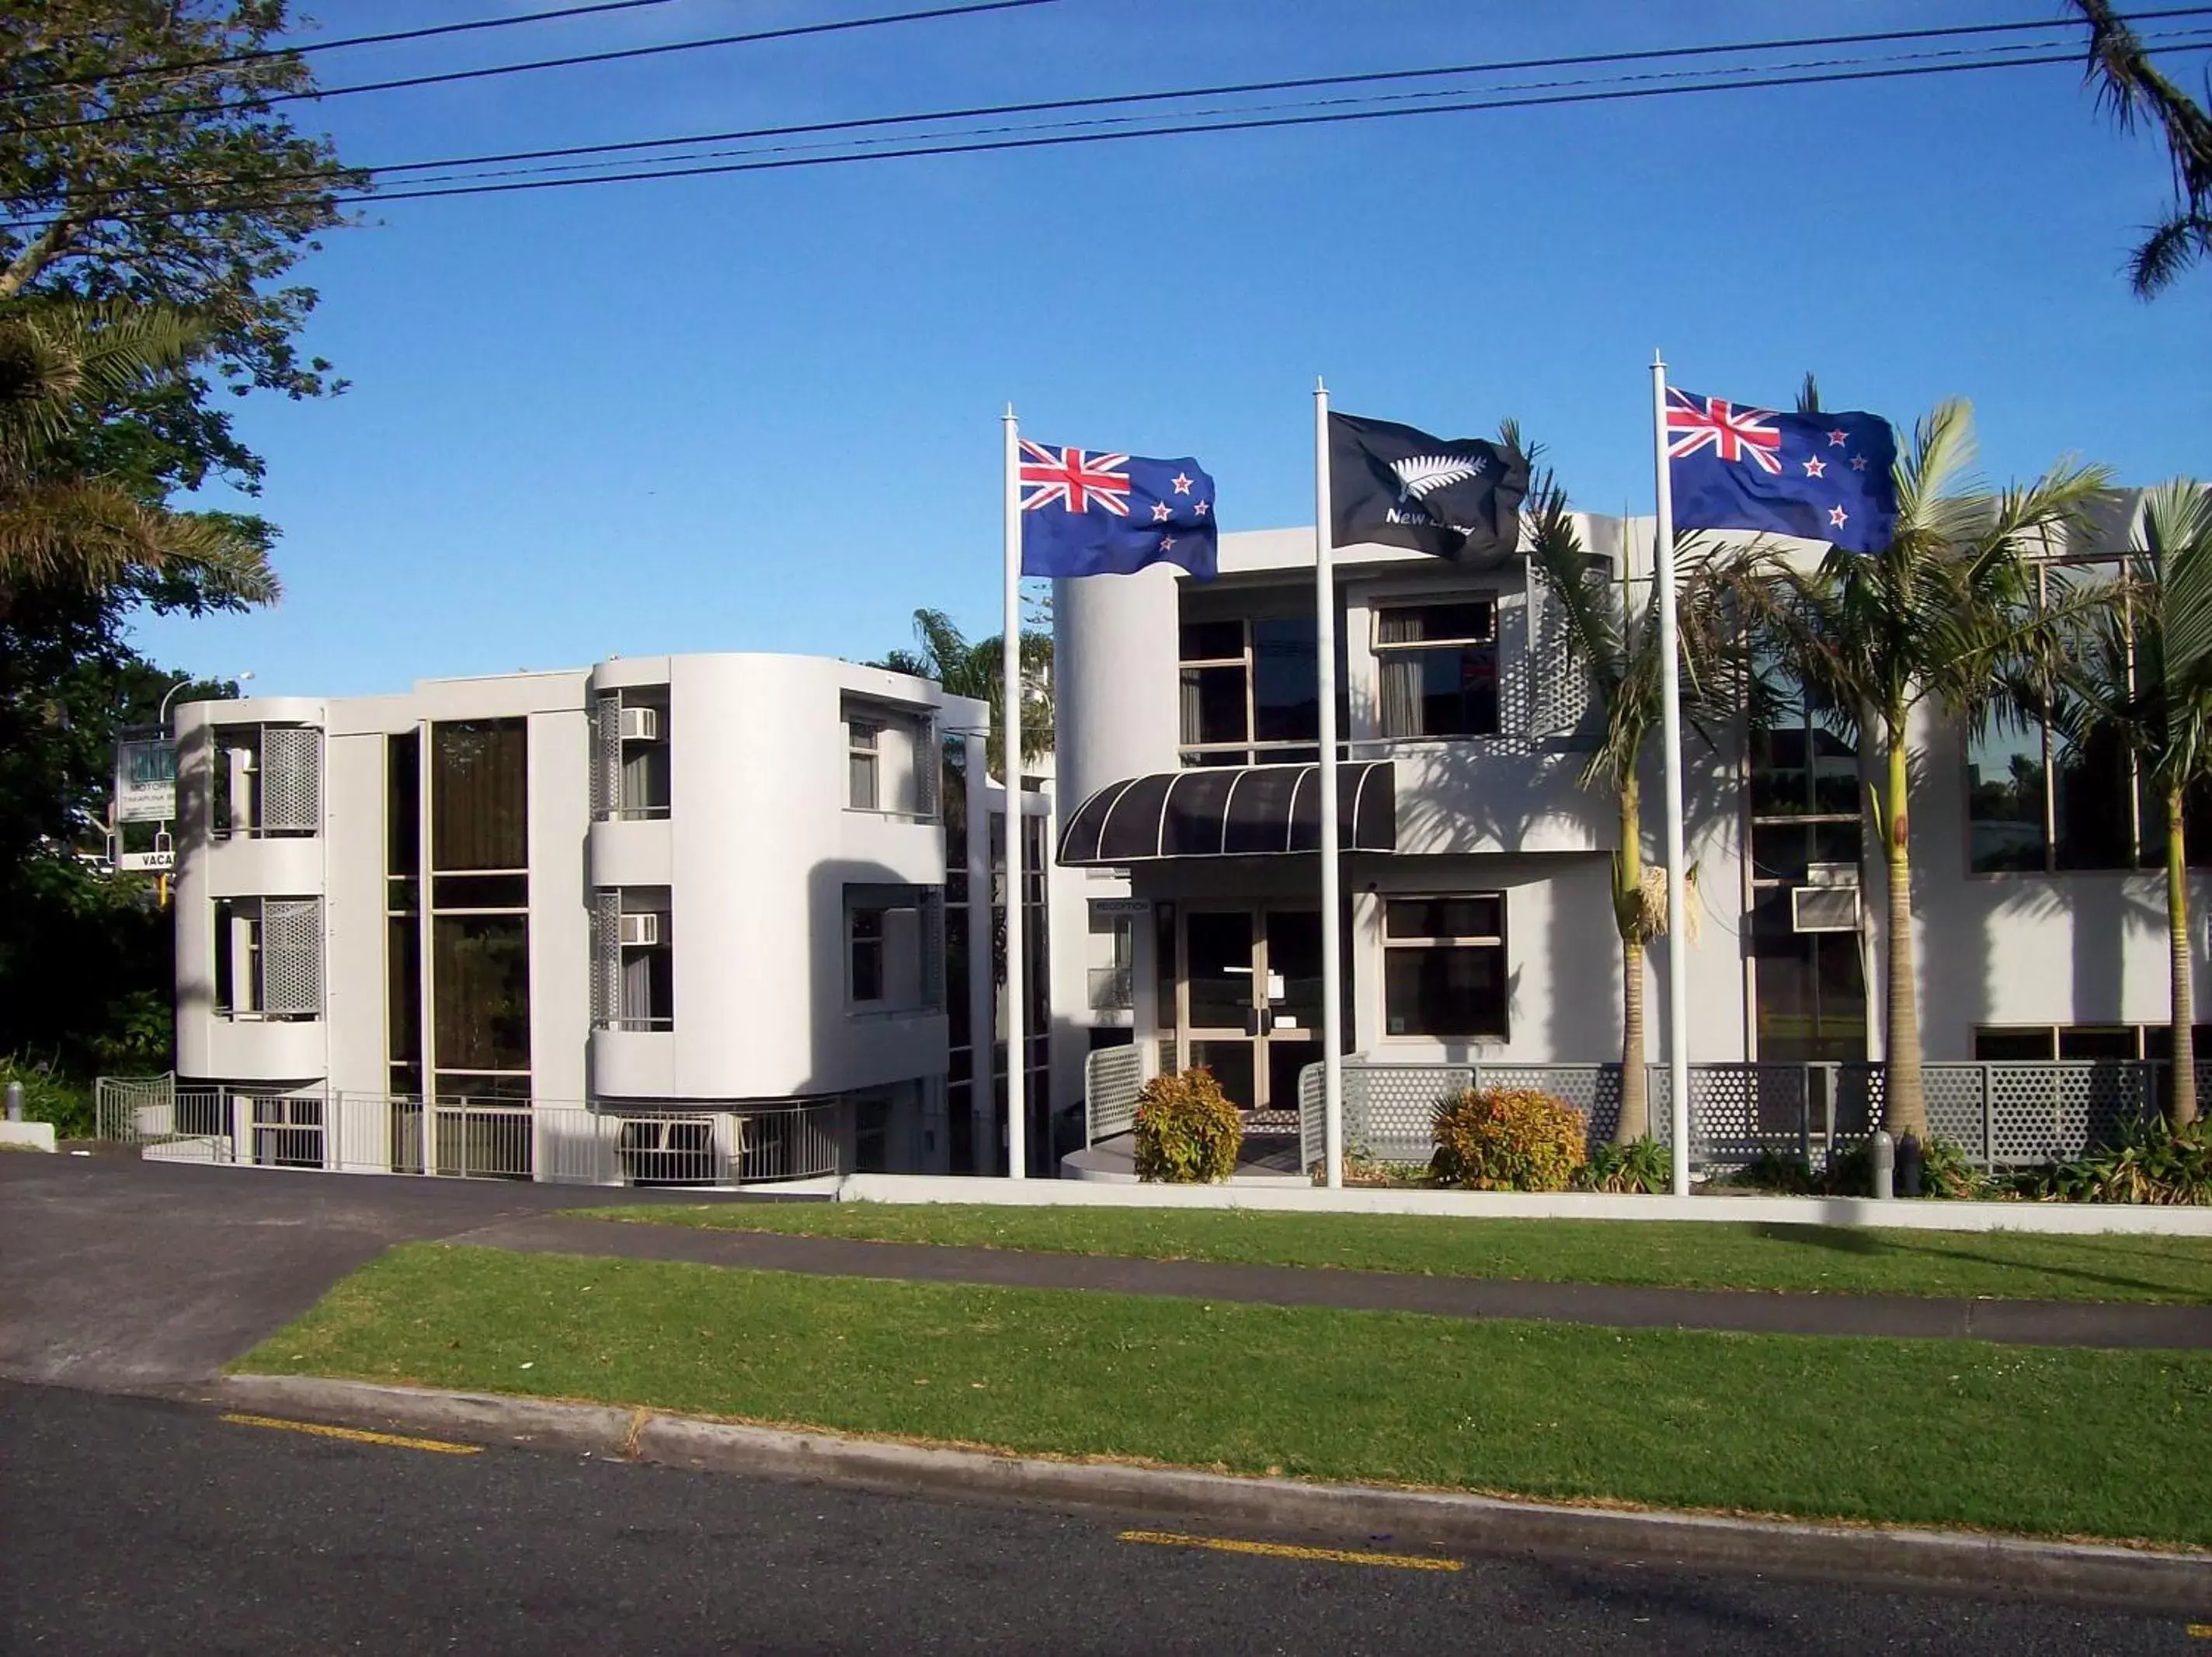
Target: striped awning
1252	810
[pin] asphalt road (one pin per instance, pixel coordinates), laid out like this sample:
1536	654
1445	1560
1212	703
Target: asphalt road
135	1525
124	1275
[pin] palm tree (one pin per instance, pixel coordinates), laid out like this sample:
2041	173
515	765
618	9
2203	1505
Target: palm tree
973	668
63	368
2121	682
2130	87
1941	616
1616	642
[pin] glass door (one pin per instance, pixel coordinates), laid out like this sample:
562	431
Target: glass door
1219	949
1251	981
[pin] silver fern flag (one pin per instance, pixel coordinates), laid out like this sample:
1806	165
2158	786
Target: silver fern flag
1457	498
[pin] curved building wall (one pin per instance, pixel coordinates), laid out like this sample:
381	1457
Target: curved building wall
1116	684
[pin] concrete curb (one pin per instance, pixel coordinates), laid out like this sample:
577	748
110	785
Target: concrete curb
2143	1580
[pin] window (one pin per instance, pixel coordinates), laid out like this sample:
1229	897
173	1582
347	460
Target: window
863	750
1250	691
630	753
633	959
268	957
1995	1043
2039	802
871	1134
403	918
1436	669
267	780
1444	966
1112	964
480	795
867	954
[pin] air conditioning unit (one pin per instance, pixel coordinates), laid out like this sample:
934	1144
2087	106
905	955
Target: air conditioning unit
1824	908
641	725
641	932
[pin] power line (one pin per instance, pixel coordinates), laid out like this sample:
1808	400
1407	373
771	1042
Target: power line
1319	117
449	77
1235	89
306	47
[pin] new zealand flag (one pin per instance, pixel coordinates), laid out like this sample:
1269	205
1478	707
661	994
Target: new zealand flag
1088	513
1824	477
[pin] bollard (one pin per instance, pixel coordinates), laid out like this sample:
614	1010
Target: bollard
1885	1165
14	1101
1911	1164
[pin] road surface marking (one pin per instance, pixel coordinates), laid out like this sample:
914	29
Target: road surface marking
355	1435
1285	1551
2200	1631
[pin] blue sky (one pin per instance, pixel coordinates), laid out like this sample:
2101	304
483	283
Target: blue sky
761	412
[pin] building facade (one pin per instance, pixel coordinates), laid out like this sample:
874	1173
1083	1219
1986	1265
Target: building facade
1477	876
736	885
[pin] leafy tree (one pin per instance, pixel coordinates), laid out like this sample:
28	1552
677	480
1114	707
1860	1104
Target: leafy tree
2130	87
1615	640
141	162
64	369
2117	680
975	668
1943	617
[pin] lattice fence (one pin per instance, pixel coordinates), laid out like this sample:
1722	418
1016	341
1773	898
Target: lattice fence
1112	1079
606	758
1559	698
606	957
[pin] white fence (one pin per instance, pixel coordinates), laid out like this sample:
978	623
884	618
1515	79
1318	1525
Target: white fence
567	1145
2000	1116
1112	1079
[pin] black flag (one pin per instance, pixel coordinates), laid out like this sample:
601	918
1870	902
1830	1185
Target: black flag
1459	499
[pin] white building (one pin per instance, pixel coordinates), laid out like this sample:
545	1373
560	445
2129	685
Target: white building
709	887
1478	874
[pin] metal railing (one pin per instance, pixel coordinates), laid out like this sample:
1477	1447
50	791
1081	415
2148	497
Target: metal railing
344	1132
2006	1114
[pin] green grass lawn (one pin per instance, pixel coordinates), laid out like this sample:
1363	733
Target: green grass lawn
2034	1440
1691	1254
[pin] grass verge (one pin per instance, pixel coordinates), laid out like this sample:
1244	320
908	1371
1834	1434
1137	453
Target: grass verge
2054	1441
1687	1254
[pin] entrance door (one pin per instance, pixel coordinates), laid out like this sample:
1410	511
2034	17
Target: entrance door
1250	979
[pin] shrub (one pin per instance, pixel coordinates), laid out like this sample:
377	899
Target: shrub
2156	1164
1771	1170
1187	1131
1643	1166
1507	1139
50	1098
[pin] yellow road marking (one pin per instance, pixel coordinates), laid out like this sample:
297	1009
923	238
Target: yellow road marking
2200	1631
1285	1550
356	1435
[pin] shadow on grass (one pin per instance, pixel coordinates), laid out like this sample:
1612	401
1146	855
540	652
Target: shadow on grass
1863	1244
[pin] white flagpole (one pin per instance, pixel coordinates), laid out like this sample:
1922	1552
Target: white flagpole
1332	953
1670	703
1016	1045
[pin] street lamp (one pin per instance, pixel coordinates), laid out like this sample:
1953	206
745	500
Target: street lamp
161	719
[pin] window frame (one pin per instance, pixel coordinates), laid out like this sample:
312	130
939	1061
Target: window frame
868	753
1439	941
1381	650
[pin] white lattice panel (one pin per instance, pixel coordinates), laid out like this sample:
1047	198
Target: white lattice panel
1112	1079
606	958
606	756
292	957
291	778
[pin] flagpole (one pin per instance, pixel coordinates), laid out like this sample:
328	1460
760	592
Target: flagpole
1331	952
1010	693
1670	703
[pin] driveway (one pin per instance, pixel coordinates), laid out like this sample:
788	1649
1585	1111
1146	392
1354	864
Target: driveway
128	1276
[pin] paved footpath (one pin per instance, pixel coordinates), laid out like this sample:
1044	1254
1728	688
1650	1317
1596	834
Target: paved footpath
2036	1323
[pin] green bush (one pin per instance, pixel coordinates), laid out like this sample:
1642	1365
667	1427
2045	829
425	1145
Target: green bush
1507	1139
48	1097
1187	1131
1643	1166
1772	1171
2156	1164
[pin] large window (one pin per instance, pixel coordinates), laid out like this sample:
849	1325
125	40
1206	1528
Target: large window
1435	668
894	958
633	959
1444	966
479	897
1250	691
2038	802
